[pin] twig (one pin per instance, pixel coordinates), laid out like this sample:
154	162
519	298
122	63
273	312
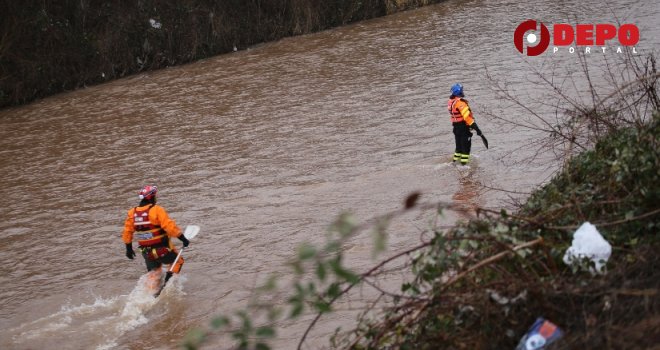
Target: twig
349	287
491	260
610	223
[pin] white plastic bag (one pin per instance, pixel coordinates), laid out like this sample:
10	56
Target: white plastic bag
588	243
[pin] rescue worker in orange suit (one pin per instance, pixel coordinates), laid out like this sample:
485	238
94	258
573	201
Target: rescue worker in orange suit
153	228
462	120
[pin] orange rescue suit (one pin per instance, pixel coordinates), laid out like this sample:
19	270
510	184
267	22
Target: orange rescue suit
157	217
460	111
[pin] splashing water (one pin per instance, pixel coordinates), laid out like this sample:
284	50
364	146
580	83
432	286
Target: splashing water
99	324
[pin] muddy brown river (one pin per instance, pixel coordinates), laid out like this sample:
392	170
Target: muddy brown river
262	149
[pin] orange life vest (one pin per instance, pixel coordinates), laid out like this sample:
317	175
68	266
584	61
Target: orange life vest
147	233
459	111
454	113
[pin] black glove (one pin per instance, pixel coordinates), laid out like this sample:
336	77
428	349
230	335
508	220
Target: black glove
185	240
129	251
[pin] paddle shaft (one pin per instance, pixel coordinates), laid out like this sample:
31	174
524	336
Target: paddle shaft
168	274
190	233
176	260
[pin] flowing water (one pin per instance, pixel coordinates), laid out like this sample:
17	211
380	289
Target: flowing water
262	148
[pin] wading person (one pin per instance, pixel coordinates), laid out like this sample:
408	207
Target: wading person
153	229
462	120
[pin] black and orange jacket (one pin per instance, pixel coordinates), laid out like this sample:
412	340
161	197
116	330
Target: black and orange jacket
459	111
155	225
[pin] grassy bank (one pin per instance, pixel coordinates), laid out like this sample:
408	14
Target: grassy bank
51	46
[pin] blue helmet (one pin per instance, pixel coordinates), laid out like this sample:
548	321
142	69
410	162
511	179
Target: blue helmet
457	90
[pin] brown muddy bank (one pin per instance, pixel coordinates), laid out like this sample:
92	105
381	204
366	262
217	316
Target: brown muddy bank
47	47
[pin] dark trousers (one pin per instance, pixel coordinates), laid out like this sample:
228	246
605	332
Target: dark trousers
166	259
463	138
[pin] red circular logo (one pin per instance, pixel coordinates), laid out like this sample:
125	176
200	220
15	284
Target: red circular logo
518	38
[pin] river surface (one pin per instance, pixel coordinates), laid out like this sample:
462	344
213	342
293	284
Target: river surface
262	149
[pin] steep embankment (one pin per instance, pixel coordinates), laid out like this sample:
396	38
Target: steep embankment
49	47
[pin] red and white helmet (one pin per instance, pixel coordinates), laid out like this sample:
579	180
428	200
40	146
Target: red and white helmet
148	192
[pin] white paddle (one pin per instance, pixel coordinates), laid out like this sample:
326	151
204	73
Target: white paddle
190	232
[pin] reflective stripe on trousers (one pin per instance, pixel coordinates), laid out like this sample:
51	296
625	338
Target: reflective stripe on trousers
463	138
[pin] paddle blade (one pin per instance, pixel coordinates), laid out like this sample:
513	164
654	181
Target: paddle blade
483	138
191	231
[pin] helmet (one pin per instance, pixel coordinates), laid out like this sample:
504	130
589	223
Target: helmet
457	89
148	192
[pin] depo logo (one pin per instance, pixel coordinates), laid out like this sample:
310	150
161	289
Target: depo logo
520	33
581	35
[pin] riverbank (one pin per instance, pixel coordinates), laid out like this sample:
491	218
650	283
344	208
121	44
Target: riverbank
47	48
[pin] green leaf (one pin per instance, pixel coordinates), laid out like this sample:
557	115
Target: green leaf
333	290
265	332
343	273
297	309
332	246
306	252
523	253
262	346
247	321
322	306
346	224
463	245
274	313
320	271
300	291
270	284
297	268
241	337
379	237
193	338
220	322
630	215
311	288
